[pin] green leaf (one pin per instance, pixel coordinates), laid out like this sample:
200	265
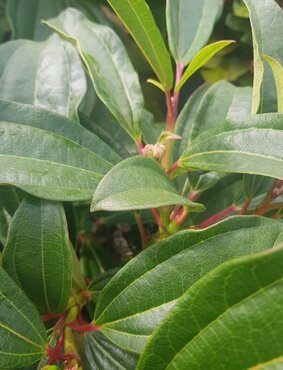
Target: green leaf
139	21
48	74
37	254
201	58
10	198
240	146
100	353
22	333
108	65
70	171
256	185
228	319
137	183
26	15
267	26
225	193
277	71
4	225
190	24
142	292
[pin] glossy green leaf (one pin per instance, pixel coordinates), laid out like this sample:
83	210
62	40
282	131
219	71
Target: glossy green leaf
277	71
22	333
98	352
240	146
229	319
108	65
190	24
37	254
48	74
137	183
142	292
201	58
139	21
26	15
70	171
267	23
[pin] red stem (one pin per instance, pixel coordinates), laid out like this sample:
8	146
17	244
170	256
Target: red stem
245	207
141	228
217	217
139	147
176	96
173	168
170	117
157	217
267	208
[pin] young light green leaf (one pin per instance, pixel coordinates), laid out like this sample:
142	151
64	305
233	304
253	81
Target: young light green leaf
267	26
277	70
231	313
240	146
139	21
128	309
26	15
186	38
48	74
37	254
137	183
156	83
201	58
108	65
22	333
70	171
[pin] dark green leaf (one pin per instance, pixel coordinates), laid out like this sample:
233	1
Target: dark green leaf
108	66
252	146
138	19
209	108
190	24
70	171
142	292
10	198
26	16
37	254
137	183
48	74
98	352
229	319
267	24
22	333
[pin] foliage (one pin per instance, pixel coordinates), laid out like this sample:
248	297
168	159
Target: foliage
141	196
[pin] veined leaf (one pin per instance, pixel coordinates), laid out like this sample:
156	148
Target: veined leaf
48	74
37	254
277	70
129	307
137	183
267	24
190	24
22	333
10	198
100	353
228	319
64	162
139	21
201	58
26	15
108	65
252	146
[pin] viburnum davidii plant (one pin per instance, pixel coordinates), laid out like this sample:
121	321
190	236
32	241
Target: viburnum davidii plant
141	221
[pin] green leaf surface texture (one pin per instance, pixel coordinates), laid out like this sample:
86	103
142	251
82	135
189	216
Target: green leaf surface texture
108	65
229	319
22	333
138	19
140	294
137	183
186	38
50	156
37	254
252	146
48	74
267	24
